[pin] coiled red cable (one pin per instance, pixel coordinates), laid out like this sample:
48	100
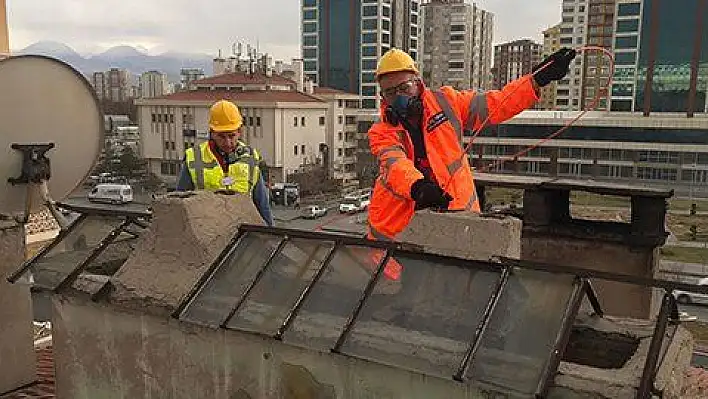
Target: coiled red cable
591	107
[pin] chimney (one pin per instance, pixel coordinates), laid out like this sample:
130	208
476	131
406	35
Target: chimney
309	86
299	70
4	33
219	66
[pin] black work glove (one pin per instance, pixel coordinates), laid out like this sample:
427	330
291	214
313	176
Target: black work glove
559	67
427	194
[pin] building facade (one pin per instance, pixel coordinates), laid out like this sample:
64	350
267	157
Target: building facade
596	72
292	130
551	44
99	83
513	60
113	85
342	41
153	84
189	75
572	34
661	56
456	44
667	150
4	31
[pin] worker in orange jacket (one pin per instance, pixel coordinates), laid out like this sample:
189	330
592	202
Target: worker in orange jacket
418	139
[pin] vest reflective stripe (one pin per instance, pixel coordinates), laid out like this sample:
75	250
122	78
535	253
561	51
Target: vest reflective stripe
207	173
471	203
387	187
447	110
454	166
392	148
377	235
478	111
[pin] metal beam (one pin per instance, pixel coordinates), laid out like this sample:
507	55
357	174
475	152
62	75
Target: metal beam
476	342
646	383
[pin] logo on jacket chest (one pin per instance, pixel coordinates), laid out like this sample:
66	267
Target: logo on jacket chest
435	121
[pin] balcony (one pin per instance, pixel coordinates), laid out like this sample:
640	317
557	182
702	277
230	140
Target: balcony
350	144
349	160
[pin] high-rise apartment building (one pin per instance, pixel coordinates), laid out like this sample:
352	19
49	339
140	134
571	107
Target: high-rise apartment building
572	34
113	85
343	40
456	44
596	73
513	60
98	80
153	84
551	44
4	31
661	56
189	75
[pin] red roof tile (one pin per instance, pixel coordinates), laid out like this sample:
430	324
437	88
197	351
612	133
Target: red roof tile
245	96
241	78
44	387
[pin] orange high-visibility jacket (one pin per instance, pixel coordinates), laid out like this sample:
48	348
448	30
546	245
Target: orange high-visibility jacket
446	112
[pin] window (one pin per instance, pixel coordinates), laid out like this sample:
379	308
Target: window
302	121
386	11
368	103
566	40
310	65
628	9
154	118
309	3
340	119
172	118
309	53
368	51
309	41
414	19
414	31
627	25
350	120
258	121
459	38
369	24
340	136
368	90
568	20
368	38
370	11
625	58
368	65
309	14
368	77
457	28
309	27
567	30
295	149
339	152
456	65
302	149
295	121
385	24
626	42
322	120
385	38
167	145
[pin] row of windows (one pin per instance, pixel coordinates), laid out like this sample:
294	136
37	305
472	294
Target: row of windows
169	168
160	118
591	154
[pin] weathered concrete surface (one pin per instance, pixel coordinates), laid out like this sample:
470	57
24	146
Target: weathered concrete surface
617	299
581	381
185	237
465	234
101	352
17	357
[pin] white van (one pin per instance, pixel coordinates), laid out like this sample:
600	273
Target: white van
355	203
112	193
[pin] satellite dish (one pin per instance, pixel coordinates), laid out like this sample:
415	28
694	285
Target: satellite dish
51	132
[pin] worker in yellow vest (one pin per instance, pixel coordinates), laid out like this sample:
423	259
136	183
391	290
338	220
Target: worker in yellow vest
224	162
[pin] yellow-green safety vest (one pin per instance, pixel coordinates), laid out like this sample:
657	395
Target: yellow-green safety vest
207	174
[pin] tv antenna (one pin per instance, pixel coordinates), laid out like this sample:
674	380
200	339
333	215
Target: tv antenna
51	134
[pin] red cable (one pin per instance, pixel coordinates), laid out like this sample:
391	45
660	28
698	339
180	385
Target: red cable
593	106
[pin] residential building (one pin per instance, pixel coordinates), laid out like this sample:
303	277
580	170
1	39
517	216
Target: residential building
662	150
551	44
292	129
572	34
4	31
456	44
513	60
100	84
661	57
153	84
342	41
189	75
596	73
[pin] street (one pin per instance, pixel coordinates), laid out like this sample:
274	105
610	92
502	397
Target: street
700	311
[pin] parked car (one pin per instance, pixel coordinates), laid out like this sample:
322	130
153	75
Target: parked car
313	212
354	203
684	297
111	193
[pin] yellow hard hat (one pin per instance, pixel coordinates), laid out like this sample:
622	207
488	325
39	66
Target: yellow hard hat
224	116
395	60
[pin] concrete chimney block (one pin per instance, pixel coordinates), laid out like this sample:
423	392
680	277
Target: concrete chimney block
17	358
186	235
465	234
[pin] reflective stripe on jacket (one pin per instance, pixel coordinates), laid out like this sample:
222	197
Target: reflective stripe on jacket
446	113
207	173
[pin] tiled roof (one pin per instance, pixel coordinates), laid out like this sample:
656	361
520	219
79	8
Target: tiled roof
242	78
245	96
44	387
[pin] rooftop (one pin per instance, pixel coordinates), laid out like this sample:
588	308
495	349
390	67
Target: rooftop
291	96
243	78
331	91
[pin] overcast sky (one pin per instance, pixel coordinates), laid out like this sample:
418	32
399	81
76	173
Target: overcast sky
91	26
